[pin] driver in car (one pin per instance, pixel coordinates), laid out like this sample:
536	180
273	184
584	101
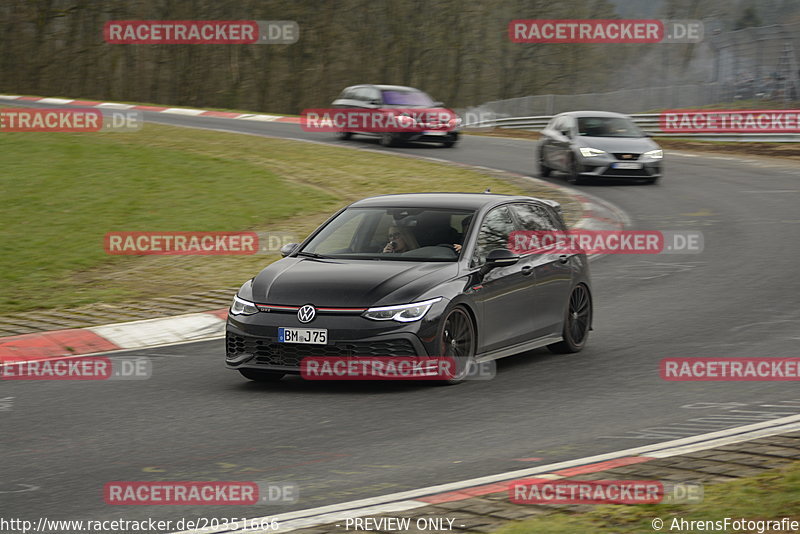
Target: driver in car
400	240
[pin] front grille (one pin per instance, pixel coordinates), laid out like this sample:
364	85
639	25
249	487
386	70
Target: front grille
626	156
289	354
645	172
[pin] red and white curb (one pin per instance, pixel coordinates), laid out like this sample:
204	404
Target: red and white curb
59	344
158	109
466	489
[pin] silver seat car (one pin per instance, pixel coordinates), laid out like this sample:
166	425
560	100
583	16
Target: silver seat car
590	145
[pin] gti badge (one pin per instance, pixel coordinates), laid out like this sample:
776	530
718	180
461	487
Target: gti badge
306	313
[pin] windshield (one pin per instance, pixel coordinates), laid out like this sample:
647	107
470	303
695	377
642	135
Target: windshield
406	234
608	127
406	98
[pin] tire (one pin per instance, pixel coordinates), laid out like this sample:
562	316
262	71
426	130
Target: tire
573	176
344	136
577	322
449	144
388	140
258	375
456	338
651	181
544	170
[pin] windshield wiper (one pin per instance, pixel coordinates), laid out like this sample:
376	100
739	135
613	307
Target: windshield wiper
312	255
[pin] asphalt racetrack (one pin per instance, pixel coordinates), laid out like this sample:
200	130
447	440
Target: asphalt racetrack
195	420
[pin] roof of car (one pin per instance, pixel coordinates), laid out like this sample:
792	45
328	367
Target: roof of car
438	200
593	114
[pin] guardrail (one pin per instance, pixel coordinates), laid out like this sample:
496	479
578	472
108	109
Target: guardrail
649	122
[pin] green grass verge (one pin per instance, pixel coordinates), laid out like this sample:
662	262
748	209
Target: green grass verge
770	496
63	192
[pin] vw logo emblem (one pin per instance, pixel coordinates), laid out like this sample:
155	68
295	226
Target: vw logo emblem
306	313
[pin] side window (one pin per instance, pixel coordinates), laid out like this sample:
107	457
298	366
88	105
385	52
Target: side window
372	94
494	233
534	217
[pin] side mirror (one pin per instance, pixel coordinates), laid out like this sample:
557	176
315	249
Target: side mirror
566	133
375	102
499	257
288	248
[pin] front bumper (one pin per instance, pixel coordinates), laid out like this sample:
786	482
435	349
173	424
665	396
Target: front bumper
427	137
252	341
605	167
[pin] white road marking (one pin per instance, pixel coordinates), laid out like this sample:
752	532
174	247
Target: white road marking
404	500
58	101
773	191
675	451
114	105
184	111
266	118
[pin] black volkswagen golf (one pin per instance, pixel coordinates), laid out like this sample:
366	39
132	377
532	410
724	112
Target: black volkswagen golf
426	274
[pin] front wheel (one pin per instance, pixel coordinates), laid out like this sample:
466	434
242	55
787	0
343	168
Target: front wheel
388	140
259	375
344	136
574	174
577	322
449	144
544	170
457	341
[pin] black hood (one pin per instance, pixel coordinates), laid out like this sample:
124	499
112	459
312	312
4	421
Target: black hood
348	283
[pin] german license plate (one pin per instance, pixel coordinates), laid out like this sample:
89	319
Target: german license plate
627	165
310	336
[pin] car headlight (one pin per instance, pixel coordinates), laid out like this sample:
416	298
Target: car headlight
243	307
591	152
654	154
404	313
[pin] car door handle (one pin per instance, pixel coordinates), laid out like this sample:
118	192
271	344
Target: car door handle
563	258
526	270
